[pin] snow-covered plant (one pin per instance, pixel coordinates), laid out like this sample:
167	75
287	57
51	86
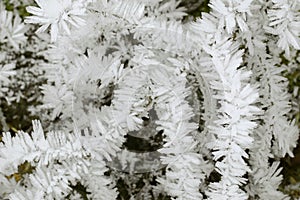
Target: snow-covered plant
20	67
206	94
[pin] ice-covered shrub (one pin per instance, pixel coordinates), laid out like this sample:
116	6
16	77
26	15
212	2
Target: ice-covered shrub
210	89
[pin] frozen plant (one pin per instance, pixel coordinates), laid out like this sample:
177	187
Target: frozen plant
21	73
211	86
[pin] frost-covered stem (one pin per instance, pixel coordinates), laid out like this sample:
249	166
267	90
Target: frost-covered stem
284	22
235	96
186	169
274	136
59	160
234	125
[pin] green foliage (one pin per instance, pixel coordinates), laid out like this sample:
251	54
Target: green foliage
23	169
20	8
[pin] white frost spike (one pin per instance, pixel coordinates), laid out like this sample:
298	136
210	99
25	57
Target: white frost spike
131	10
57	14
6	71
